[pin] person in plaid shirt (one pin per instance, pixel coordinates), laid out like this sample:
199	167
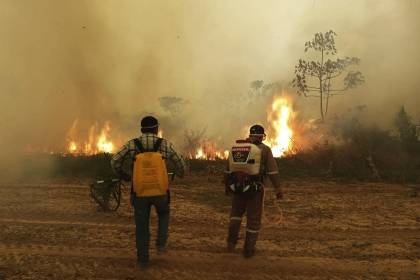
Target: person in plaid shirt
122	163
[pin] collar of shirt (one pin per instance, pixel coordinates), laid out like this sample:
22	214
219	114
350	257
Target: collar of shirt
149	134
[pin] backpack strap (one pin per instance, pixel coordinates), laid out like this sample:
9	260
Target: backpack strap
263	163
156	146
138	144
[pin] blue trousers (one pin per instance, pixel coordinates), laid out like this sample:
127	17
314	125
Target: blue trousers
142	208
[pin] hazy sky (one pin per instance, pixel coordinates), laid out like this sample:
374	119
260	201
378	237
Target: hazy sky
99	60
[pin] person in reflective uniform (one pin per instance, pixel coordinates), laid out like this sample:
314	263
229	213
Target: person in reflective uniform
252	199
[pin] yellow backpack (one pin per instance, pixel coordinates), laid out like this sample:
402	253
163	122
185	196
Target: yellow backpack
150	177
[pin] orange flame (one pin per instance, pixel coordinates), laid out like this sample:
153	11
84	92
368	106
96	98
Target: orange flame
208	150
200	154
103	145
72	147
279	119
94	144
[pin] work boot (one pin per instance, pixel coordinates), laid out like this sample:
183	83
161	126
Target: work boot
232	239
161	250
143	263
249	246
231	247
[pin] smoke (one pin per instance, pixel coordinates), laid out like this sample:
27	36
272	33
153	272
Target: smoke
112	60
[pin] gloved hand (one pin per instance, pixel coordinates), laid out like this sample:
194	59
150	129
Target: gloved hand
168	193
226	182
228	190
125	177
279	194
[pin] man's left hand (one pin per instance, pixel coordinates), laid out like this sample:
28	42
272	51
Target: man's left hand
279	195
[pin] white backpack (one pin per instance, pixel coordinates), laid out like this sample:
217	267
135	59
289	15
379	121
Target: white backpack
245	166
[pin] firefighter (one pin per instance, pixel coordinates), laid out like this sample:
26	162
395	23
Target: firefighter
127	164
250	163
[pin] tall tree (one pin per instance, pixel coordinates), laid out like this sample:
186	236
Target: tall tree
315	78
172	104
407	130
259	88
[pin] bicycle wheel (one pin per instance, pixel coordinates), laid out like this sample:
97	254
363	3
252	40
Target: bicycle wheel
114	199
107	194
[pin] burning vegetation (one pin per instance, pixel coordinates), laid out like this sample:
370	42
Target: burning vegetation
280	117
208	150
96	141
345	147
197	146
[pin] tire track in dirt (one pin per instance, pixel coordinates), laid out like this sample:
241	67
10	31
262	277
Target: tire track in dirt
64	222
209	258
70	251
45	186
193	263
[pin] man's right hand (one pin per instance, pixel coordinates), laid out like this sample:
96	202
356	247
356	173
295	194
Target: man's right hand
228	191
279	194
125	177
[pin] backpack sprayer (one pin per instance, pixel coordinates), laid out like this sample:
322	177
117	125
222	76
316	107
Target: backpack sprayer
245	167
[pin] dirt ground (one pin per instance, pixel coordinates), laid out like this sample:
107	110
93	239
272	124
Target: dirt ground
321	230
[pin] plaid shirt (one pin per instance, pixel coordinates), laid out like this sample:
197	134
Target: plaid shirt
122	162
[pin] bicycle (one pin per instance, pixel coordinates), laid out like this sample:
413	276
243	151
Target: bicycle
107	193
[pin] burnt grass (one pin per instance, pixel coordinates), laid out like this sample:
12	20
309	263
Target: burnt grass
344	163
350	163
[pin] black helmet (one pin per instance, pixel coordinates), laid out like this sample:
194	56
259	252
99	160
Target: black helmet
149	122
256	130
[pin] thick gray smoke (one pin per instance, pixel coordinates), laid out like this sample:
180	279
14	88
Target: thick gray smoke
113	60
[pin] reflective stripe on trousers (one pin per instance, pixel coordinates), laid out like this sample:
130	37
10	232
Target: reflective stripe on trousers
252	204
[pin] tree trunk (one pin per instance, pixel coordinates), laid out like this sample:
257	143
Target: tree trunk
320	86
328	96
321	106
321	97
326	104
